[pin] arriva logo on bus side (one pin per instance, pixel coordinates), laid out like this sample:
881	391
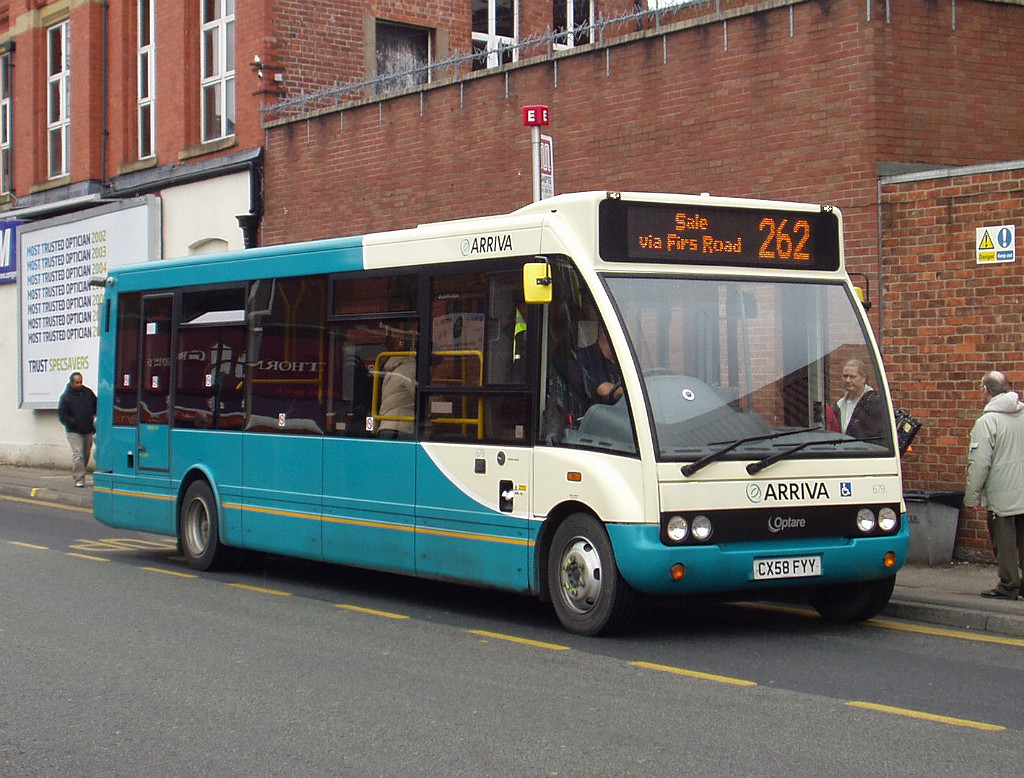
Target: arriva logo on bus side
787	491
486	244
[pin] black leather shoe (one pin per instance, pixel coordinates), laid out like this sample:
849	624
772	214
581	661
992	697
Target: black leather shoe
995	594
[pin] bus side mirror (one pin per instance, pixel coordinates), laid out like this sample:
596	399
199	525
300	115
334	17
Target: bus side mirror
537	283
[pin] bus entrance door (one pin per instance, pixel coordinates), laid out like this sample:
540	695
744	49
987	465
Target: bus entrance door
155	384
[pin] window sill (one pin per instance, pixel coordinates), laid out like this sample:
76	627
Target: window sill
208	148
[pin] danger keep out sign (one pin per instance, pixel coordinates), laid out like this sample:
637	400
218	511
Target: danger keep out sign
995	244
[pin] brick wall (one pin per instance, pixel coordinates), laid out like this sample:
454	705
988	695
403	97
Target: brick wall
796	101
947	319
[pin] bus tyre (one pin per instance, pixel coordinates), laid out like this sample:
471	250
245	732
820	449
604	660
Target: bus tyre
589	595
199	531
854	601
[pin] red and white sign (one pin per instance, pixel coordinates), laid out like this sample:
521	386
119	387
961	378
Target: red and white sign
535	115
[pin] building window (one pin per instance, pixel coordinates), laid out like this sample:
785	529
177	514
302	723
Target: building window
5	123
573	22
494	32
218	69
146	80
58	97
403	56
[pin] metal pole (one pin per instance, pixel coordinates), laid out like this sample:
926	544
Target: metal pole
535	142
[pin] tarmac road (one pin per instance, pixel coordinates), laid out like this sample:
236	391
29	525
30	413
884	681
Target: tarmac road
947	594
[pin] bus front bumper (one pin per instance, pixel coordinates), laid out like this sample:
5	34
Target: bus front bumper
752	568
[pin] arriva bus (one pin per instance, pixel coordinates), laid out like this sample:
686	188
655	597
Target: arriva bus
599	395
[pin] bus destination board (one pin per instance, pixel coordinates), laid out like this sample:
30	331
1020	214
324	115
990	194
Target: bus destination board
705	234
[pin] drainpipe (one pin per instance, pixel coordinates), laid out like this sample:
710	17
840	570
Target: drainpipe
105	69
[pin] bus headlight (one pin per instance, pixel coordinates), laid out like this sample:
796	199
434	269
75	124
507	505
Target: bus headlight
701	528
865	520
677	528
887	519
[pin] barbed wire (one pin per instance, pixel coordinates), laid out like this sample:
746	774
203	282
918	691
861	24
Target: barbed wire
460	63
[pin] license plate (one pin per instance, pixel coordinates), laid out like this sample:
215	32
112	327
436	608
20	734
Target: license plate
787	567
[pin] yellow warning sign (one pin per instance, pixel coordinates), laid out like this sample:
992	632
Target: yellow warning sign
986	242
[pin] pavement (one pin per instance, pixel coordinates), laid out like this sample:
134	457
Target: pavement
946	595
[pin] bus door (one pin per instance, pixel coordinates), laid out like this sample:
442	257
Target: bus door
474	472
155	385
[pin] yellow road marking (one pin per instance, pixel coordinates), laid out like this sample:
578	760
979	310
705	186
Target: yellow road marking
514	639
917	714
371	611
695	674
170	572
28	545
946	633
88	556
260	589
47	503
124	544
920	629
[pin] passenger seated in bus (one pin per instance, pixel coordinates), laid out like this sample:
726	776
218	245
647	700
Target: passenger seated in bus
860	412
398	385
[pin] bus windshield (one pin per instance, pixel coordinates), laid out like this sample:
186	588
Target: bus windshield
750	369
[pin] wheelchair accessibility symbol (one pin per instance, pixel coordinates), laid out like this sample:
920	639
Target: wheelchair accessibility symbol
845	489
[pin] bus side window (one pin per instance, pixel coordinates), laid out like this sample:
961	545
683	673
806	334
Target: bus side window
372	374
126	378
285	357
479	358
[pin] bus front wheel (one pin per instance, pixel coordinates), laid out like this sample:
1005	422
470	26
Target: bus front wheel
853	601
199	531
589	595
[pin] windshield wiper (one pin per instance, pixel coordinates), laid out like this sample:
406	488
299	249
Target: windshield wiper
714	456
761	464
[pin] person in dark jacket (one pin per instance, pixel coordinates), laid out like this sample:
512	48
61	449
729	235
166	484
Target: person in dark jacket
77	412
860	412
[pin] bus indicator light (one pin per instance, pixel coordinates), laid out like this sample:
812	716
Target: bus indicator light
677	571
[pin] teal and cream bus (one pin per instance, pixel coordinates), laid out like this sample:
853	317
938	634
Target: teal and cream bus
598	396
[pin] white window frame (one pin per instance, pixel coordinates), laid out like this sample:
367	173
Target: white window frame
58	99
146	79
572	25
498	48
217	69
5	123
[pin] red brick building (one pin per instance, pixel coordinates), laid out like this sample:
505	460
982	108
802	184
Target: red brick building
355	116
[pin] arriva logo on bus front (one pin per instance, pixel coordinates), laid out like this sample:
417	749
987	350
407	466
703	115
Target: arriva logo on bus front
787	491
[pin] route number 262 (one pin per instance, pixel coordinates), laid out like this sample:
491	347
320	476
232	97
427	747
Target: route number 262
781	242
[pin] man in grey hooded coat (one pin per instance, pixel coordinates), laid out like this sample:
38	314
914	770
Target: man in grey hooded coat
995	478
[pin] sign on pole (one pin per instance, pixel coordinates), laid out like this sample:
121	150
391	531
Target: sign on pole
535	117
547	167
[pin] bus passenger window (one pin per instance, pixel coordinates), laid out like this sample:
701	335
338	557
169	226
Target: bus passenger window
479	360
126	378
371	389
285	357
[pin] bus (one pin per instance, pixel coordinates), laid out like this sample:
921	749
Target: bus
598	397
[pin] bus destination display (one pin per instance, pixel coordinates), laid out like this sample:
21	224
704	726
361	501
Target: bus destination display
694	233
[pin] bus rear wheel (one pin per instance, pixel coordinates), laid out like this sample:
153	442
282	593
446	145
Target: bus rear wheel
589	595
853	601
199	531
